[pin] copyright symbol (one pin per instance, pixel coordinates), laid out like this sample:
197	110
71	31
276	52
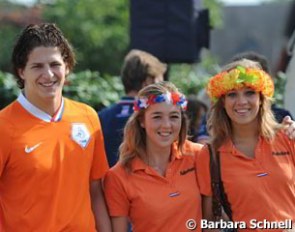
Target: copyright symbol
191	224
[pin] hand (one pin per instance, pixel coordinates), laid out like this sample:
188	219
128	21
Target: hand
289	126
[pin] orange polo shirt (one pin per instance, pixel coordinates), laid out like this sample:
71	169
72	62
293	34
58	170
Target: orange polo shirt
46	165
257	188
152	202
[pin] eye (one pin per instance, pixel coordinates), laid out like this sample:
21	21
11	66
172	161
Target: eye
36	66
250	92
156	117
56	64
231	94
175	116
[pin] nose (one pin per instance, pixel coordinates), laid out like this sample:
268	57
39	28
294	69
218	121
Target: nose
48	72
241	99
166	123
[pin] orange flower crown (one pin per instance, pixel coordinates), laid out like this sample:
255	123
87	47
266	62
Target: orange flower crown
237	78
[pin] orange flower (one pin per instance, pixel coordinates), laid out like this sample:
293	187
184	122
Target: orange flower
237	78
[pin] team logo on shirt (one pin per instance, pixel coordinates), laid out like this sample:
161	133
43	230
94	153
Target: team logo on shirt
80	134
32	148
280	153
184	172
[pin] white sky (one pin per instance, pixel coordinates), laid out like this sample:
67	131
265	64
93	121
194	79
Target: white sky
227	2
241	2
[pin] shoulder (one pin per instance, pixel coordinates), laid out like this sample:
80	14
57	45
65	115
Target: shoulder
77	111
7	125
7	128
8	115
281	137
79	108
78	105
8	111
203	155
117	172
108	110
191	147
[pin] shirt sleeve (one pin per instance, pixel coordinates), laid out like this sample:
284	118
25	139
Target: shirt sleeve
115	193
99	163
5	143
203	171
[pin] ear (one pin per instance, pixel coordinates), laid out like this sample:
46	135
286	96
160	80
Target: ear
20	72
141	122
67	70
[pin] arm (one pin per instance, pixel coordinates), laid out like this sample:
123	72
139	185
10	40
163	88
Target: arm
208	212
99	208
119	224
289	127
207	208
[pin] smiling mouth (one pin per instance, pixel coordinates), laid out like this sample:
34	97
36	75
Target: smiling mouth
242	111
164	134
49	84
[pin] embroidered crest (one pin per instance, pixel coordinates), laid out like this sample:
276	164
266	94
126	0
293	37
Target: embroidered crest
80	134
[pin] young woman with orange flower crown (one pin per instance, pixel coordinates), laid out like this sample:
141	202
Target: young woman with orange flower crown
256	159
154	183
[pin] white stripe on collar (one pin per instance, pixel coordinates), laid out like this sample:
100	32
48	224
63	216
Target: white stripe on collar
39	113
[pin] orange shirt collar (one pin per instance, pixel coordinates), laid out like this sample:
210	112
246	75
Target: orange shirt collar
228	146
138	164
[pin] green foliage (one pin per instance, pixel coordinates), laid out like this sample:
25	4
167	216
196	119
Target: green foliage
88	87
7	36
191	78
280	82
215	11
8	89
93	89
98	30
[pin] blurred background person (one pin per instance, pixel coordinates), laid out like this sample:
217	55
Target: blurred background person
196	110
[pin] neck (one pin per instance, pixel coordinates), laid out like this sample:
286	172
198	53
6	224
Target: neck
132	93
245	133
245	140
158	156
49	106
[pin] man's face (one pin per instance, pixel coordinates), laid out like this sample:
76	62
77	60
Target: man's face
44	76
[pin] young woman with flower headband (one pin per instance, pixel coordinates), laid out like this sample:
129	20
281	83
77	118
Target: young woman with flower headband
154	183
257	160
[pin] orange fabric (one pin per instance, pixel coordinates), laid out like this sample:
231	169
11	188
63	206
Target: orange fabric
47	189
147	198
259	188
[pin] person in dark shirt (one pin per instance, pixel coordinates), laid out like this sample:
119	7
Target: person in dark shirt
139	70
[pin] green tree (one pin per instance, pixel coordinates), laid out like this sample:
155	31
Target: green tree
9	29
98	31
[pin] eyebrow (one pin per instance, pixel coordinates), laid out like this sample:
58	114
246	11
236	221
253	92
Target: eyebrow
172	112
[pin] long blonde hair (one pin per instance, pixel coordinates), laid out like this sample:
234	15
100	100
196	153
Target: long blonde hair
134	141
219	124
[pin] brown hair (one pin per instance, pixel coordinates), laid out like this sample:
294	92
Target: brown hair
134	141
138	66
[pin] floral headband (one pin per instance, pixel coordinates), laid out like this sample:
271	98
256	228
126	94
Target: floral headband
237	78
170	98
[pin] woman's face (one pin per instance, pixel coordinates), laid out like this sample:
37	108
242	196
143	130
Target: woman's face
242	106
162	123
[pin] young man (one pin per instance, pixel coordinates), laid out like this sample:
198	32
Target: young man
51	149
139	70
